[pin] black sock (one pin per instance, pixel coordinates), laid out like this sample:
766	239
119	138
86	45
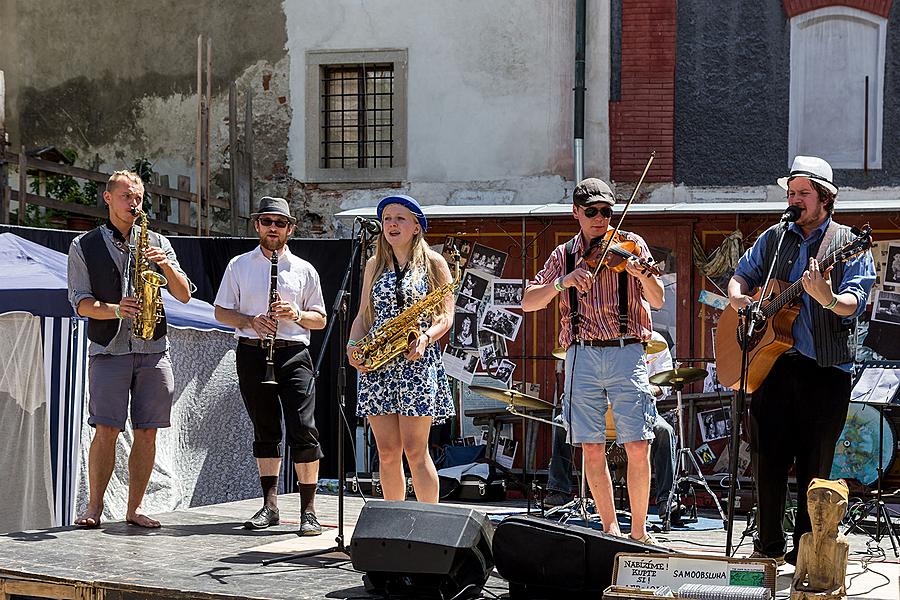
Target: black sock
307	497
269	484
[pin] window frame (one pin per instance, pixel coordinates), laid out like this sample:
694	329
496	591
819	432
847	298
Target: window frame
316	61
876	92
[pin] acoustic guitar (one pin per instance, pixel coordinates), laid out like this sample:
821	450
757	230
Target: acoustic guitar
772	337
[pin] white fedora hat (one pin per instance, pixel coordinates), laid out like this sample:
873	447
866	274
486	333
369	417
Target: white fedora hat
814	169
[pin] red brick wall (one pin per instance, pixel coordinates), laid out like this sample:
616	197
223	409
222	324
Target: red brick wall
797	7
643	118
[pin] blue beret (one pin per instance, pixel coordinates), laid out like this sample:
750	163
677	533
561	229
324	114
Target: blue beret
410	203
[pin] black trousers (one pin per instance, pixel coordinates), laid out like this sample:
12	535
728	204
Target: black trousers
268	404
796	417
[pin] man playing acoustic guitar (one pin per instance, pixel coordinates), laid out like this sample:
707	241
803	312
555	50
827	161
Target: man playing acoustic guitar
799	410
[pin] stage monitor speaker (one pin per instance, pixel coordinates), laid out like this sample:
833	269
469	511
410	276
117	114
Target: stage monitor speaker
543	559
422	550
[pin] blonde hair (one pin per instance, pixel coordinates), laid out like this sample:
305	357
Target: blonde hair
421	256
124	175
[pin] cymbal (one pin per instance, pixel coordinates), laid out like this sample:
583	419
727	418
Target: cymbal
682	376
559	352
511	397
654	346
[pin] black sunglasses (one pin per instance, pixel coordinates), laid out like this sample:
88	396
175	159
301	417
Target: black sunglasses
591	211
267	222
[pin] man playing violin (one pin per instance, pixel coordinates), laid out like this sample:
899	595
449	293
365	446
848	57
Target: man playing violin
604	337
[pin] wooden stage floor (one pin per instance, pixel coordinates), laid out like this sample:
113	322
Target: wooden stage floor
205	553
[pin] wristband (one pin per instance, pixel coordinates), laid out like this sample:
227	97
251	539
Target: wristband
832	304
118	315
299	317
558	284
351	343
428	336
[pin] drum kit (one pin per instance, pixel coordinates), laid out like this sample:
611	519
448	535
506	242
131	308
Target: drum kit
687	470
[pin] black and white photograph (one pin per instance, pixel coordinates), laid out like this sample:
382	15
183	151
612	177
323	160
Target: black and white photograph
473	285
501	321
505	451
715	424
489	260
507	293
488	357
504	371
892	267
463	246
467	303
464	330
460	364
886	307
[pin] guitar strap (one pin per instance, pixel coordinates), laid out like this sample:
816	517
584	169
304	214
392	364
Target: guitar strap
826	240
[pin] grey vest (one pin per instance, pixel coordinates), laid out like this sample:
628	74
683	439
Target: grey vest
831	332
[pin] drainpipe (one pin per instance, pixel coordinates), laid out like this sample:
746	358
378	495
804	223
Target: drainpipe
580	18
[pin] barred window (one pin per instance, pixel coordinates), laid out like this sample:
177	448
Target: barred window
358	116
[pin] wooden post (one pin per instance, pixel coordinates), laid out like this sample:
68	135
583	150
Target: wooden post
184	207
23	186
164	201
247	208
206	113
198	150
232	154
4	170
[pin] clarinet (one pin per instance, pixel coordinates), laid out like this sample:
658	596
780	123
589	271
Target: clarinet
269	342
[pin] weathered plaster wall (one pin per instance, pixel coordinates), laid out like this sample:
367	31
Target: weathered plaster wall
490	93
118	78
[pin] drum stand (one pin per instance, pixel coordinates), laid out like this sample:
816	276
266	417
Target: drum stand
684	462
581	505
876	504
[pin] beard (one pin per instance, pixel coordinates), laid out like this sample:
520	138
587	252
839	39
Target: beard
270	244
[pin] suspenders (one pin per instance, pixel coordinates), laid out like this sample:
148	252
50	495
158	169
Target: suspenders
573	297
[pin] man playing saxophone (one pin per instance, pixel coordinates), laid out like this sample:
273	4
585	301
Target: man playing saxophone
121	365
244	302
405	395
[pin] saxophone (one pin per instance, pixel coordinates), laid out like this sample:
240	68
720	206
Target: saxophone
146	284
394	336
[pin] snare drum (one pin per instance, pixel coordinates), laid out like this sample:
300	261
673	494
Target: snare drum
856	453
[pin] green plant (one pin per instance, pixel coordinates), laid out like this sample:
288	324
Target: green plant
64	187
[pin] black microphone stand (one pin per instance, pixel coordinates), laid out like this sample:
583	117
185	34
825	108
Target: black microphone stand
339	309
752	317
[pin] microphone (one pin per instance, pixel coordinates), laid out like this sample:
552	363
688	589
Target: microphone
791	214
370	226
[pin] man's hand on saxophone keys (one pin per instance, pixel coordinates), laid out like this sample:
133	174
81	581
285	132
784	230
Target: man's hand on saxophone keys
127	308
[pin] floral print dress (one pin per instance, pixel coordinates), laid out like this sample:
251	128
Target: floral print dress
412	388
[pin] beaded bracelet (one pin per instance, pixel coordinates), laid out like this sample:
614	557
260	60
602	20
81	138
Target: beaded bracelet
832	304
351	343
118	315
558	284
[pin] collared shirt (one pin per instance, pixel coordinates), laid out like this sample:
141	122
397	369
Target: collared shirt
245	288
599	308
122	254
859	276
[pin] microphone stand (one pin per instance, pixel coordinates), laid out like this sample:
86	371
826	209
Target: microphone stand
751	318
339	309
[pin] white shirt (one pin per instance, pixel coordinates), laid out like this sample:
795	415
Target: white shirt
245	288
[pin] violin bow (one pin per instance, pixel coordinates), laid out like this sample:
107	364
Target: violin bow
624	212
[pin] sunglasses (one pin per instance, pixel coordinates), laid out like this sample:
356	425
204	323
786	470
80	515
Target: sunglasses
267	222
591	211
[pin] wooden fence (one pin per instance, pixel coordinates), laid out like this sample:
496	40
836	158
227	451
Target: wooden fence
159	190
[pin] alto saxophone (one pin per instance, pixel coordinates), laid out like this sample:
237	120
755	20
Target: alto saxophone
146	285
394	336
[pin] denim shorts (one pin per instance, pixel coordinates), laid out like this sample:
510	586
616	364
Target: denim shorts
144	379
614	376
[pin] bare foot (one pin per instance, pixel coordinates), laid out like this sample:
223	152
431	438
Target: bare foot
90	519
142	520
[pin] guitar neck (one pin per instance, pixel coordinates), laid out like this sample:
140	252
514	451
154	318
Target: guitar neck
793	291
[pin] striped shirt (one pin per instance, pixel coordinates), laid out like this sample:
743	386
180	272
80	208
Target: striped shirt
599	308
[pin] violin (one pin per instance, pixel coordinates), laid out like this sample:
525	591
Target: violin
616	258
